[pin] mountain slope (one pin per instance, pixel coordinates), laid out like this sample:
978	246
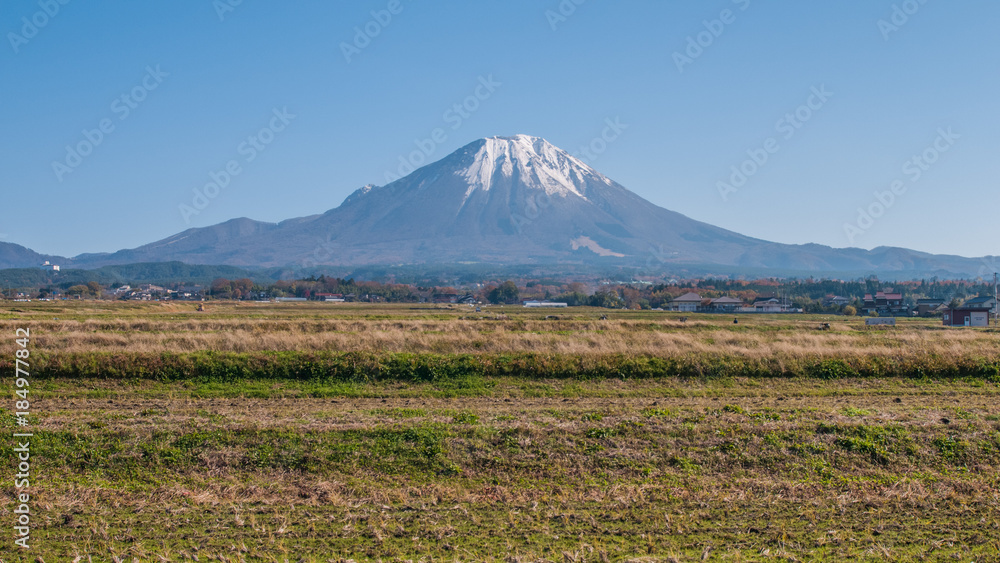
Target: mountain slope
508	200
207	245
16	256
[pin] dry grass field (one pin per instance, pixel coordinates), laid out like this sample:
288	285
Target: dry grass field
519	465
250	327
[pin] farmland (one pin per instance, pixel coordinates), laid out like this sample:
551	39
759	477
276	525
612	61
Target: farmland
321	432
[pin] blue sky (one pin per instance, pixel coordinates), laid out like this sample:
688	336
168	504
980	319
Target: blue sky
199	82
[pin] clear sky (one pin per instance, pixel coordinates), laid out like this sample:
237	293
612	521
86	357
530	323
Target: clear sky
179	86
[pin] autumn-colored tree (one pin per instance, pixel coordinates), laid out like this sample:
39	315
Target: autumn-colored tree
507	292
78	290
94	288
222	289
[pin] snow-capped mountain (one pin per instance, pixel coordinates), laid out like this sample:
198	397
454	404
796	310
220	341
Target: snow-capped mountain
508	200
537	161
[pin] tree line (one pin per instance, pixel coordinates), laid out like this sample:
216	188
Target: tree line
809	294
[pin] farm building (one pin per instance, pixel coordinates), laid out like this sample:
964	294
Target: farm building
687	303
543	304
928	307
445	297
967	316
726	304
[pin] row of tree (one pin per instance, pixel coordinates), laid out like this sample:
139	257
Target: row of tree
810	295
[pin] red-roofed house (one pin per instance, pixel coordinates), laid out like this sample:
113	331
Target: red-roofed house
885	303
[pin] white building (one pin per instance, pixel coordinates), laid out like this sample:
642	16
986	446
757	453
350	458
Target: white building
687	303
543	304
727	304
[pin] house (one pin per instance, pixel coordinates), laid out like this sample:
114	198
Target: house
50	266
966	316
331	297
687	303
726	304
885	303
983	301
145	292
189	293
836	301
467	299
929	307
768	305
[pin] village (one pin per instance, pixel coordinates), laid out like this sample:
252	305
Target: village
975	308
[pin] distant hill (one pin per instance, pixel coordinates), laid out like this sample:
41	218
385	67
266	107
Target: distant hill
158	273
16	256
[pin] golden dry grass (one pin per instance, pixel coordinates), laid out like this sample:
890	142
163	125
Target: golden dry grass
261	327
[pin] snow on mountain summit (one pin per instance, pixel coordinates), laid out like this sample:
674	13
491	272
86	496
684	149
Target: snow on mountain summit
533	159
359	193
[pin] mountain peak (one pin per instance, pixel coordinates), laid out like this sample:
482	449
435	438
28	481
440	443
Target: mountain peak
531	159
358	193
